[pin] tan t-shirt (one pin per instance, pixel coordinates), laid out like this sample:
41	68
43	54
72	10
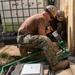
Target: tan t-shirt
32	24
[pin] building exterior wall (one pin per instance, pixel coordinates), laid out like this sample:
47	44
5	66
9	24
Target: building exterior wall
62	5
71	27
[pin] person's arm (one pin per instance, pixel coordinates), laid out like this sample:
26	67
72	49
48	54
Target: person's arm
41	26
64	33
42	32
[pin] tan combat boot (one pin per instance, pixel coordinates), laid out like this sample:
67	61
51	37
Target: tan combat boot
60	65
23	51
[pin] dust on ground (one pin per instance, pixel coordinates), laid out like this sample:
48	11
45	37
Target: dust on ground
12	50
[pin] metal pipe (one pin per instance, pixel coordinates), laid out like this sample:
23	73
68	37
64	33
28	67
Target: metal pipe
9	70
3	67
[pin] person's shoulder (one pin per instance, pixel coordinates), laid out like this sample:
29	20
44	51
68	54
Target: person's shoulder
35	16
40	17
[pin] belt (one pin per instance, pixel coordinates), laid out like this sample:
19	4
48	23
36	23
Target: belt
22	33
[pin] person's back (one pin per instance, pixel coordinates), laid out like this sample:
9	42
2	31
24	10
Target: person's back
31	25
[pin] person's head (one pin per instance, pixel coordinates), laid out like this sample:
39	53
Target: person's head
51	10
60	15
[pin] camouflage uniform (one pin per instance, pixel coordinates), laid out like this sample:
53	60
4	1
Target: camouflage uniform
35	42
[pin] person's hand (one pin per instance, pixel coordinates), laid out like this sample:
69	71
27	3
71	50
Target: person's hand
49	29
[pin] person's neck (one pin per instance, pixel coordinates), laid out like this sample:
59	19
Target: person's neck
45	15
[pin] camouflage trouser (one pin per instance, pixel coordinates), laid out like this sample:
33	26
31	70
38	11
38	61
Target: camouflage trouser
34	42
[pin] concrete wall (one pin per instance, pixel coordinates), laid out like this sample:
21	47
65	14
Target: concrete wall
71	26
62	5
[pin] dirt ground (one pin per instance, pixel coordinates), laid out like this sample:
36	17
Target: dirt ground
12	50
